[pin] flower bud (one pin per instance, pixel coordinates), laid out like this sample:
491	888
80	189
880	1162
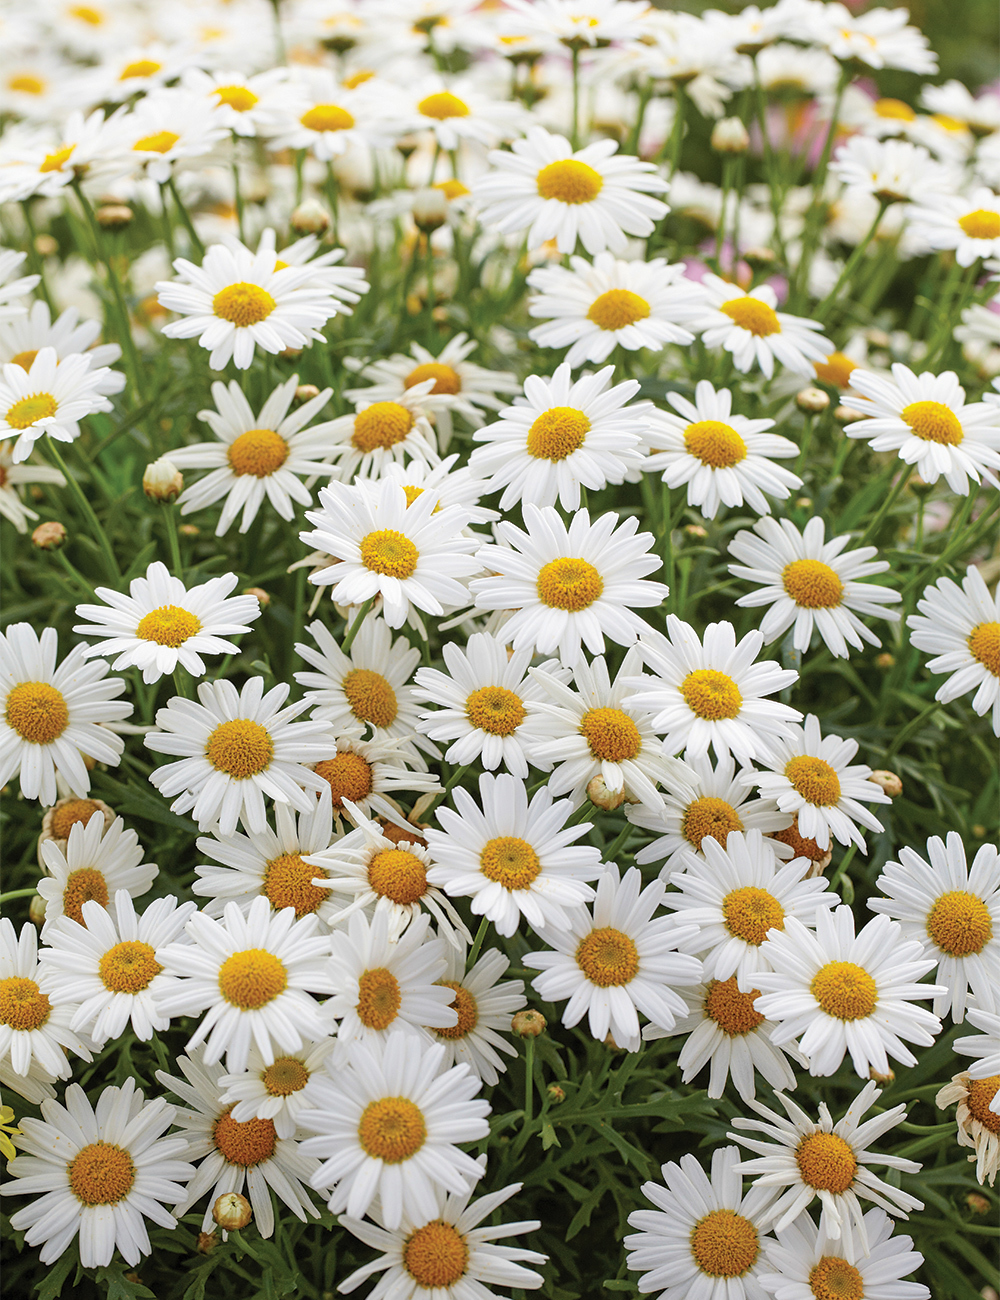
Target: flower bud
46	245
430	209
162	480
188	530
977	1203
310	218
885	661
207	1242
882	1079
50	536
263	599
232	1211
113	216
812	400
729	135
599	794
290	354
306	392
695	530
889	783
803	503
845	415
36	911
556	1094
979	830
920	487
528	1024
760	258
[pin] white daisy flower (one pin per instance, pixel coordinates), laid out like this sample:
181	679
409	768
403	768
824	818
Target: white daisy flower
811	584
926	420
953	911
243	104
368	773
35	1086
345	283
484	1007
704	1238
49	397
978	1120
108	964
275	1091
960	626
881	38
21	341
234	1154
389	1126
595	23
722	459
101	1173
93	863
592	308
236	748
806	1159
14	287
450	484
737	897
966	224
893	171
748	326
810	776
14	477
569	585
984	1046
559	436
161	624
42	164
618	961
319	113
257	457
838	993
457	112
511	857
543	187
384	432
252	973
710	692
165	127
35	1029
407	554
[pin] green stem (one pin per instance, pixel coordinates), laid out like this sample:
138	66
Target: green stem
196	243
34	259
19	893
645	93
529	1081
886	506
812	221
768	156
677	133
355	627
851	265
477	944
74	573
845	862
913	726
100	536
173	542
807	433
616	847
238	193
452	781
182	683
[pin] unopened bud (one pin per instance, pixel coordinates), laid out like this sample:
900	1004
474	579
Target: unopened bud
882	1079
889	783
803	503
430	209
599	794
290	354
232	1211
729	135
760	258
306	392
920	487
556	1094
695	530
310	218
845	415
113	216
207	1242
977	1203
528	1024
262	596
812	400
45	245
878	338
990	1293
49	537
188	530
611	1044
36	911
979	831
885	661
162	480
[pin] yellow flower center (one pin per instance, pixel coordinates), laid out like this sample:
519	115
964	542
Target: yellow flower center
948	123
392	1129
240	98
715	443
732	1010
844	990
753	315
349	776
812	584
26	84
711	694
327	117
569	181
611	734
22	1005
981	1094
140	68
371	697
358	79
129	967
833	1278
569	583
750	912
247	1144
933	422
984	645
451	189
252	978
168	625
510	862
960	923
801	846
468	1011
826	1162
379	998
724	1244
101	1174
836	370
894	109
814	779
981	224
71	812
557	433
383	424
442	106
84	886
24	359
258	452
288	883
712	817
86	14
495	709
390	553
617	308
37	712
608	957
243	303
54	162
24	413
286	1075
157	142
412	492
398	875
240	748
446	379
436	1255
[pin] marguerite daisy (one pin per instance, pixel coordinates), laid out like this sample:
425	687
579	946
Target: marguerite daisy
49	397
966	224
12	477
984	1046
21	340
384	432
92	864
14	287
243	104
166	126
484	1007
35	1032
368	773
457	112
748	326
277	1090
977	1118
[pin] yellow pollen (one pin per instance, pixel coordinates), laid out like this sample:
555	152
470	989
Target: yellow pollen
960	923
812	584
984	645
814	779
468	1011
933	422
22	1005
712	695
750	912
129	967
84	886
799	844
247	1144
240	748
288	883
169	625
557	433
371	697
349	776
279	265
844	990
510	862
715	443
608	957
66	817
259	452
242	303
26	84
894	109
239	98
836	370
451	189
732	1010
286	1075
446	379
390	553
569	181
442	106
92	17
495	709
981	1094
611	734
101	1174
753	315
834	1279
25	359
724	1244
140	68
392	1129
712	817
379	998
617	308
24	413
826	1162
53	162
37	712
981	224
383	424
412	492
327	117
158	142
436	1255
398	875
569	583
252	978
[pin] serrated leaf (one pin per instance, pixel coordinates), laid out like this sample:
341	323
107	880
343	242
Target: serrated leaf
549	1137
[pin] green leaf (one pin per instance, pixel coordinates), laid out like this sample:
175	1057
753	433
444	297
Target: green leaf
52	1280
549	1136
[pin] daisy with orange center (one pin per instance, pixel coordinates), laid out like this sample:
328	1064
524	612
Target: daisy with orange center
368	775
95	861
749	326
984	1047
275	1090
484	1003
